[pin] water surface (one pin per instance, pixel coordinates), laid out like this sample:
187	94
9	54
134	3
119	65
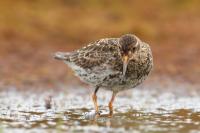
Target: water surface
139	110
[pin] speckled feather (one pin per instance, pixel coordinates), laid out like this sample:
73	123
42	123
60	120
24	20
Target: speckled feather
95	53
99	64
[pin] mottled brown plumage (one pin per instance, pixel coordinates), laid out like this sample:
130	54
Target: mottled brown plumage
115	64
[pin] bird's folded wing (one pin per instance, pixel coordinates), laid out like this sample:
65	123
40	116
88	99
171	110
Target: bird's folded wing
95	54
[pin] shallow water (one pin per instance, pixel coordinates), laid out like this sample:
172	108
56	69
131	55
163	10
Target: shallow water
139	110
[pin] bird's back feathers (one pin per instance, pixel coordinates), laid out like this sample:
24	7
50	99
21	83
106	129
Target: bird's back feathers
92	55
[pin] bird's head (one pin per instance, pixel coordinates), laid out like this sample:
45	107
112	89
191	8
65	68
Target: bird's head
129	46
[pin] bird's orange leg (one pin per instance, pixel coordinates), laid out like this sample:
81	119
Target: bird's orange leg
110	105
94	98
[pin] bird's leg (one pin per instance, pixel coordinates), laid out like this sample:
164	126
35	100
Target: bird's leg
94	98
110	105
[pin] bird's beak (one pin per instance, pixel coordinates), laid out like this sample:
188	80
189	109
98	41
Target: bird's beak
125	60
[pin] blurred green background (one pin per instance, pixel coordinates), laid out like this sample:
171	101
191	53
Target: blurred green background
32	30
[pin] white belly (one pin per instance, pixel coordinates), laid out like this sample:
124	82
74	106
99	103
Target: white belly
92	76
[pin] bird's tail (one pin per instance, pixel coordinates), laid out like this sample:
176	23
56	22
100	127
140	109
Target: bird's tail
62	56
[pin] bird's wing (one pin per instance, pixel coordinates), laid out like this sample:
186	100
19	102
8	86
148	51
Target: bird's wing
96	53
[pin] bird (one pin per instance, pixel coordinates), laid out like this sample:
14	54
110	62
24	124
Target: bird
114	64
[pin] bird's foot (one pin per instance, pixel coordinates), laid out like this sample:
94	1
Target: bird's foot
110	114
